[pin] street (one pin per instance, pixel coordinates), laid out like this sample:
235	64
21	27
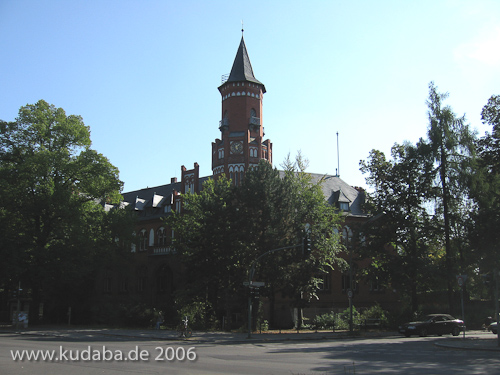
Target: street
101	354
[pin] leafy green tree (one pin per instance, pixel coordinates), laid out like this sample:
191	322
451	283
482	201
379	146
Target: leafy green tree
52	222
452	148
401	244
485	190
427	184
280	205
224	229
308	205
207	244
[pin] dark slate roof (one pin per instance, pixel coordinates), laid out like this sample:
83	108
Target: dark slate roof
334	189
337	190
147	194
242	68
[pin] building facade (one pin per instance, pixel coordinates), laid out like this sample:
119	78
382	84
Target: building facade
155	275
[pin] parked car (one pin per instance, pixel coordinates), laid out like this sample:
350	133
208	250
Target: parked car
493	328
434	324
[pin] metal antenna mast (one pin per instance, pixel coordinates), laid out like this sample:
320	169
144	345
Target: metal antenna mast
338	158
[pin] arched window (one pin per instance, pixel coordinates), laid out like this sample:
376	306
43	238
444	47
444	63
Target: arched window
161	234
151	237
133	246
143	240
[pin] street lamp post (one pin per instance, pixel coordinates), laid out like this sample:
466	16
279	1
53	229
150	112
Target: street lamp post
305	248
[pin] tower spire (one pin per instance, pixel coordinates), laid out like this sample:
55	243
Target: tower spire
242	68
242	143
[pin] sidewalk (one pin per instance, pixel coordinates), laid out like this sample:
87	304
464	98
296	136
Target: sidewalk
198	336
474	340
486	341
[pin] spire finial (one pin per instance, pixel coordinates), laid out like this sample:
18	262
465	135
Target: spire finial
242	29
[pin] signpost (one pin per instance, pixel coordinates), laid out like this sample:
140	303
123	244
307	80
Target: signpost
256	284
461	283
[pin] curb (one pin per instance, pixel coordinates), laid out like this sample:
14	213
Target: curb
446	344
469	347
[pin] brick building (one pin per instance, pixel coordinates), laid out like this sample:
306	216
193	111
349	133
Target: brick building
240	147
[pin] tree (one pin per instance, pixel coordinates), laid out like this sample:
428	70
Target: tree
485	191
401	246
52	190
207	244
224	229
280	205
451	148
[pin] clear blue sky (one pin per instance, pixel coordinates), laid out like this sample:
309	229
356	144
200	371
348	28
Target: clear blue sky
144	74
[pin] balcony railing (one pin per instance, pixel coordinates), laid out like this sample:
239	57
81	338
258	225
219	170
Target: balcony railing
223	124
163	250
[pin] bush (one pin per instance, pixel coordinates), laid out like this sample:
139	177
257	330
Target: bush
341	321
122	314
337	321
344	317
375	312
325	321
200	315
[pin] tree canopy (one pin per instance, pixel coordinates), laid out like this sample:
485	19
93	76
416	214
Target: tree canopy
53	188
423	191
485	190
218	244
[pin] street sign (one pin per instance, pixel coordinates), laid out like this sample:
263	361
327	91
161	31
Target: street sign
461	279
254	283
349	294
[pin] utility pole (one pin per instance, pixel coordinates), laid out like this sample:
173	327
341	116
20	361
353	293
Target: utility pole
18	305
497	319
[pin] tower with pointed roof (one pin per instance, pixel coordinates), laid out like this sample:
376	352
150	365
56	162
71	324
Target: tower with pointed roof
242	143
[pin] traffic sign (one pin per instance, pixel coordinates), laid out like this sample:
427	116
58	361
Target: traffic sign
461	280
254	283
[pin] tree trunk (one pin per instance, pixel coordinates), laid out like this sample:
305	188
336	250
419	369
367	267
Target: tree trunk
449	265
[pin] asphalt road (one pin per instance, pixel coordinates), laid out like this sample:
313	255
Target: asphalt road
87	354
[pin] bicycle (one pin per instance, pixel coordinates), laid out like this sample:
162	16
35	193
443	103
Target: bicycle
184	330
